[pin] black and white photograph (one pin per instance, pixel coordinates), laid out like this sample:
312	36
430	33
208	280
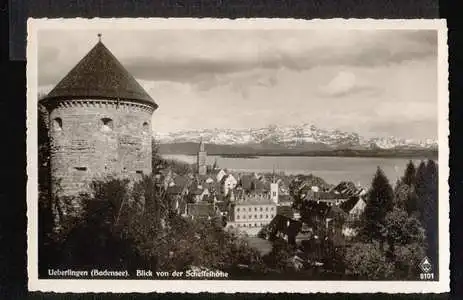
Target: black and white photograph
248	155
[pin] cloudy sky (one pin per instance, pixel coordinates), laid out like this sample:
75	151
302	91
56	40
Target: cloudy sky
376	83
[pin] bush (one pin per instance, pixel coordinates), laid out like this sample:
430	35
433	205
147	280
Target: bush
368	262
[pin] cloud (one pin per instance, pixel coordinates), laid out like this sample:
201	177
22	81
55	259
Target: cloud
196	56
346	83
346	79
364	49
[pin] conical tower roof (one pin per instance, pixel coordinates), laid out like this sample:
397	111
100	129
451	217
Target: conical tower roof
99	75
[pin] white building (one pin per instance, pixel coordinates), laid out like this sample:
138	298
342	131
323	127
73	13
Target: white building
228	182
251	214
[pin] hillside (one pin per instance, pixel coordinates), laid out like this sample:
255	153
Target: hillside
191	148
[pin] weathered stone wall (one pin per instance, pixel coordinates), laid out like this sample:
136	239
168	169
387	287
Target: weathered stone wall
95	138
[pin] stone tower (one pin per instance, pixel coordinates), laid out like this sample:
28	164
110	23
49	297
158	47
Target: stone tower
202	159
100	124
274	189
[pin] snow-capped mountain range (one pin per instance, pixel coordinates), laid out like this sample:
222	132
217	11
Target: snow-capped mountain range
292	136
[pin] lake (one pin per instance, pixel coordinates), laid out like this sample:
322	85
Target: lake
359	170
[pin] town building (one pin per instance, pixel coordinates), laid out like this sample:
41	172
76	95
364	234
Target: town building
202	159
251	214
100	124
228	183
220	174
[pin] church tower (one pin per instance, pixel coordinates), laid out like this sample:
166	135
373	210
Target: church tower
202	159
100	124
274	189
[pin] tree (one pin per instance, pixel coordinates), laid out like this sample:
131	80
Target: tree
421	188
406	240
45	205
157	163
367	261
409	174
280	255
405	197
380	202
401	193
407	194
430	209
401	229
97	236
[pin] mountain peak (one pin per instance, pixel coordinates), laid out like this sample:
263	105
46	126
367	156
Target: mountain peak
294	135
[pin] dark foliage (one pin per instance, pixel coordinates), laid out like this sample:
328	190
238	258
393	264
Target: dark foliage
380	202
409	174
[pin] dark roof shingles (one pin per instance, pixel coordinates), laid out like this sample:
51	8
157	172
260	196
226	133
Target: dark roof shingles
99	75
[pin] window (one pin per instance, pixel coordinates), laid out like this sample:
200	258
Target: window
274	194
260	216
250	217
139	172
107	124
237	217
261	209
57	124
81	168
255	208
249	209
255	216
266	216
266	209
238	209
271	208
146	127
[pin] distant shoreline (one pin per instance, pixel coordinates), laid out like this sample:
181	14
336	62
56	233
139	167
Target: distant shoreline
347	155
254	151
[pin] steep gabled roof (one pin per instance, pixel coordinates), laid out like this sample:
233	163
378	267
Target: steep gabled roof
99	75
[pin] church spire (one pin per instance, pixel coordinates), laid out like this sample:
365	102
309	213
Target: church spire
201	145
273	174
202	157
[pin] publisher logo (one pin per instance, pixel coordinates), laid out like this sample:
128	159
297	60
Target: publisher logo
426	266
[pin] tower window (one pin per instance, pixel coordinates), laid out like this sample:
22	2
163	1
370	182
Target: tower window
107	124
57	124
146	127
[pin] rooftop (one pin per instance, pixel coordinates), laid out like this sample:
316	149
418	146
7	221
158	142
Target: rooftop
99	75
255	200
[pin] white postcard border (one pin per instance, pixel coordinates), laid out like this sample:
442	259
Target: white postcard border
232	286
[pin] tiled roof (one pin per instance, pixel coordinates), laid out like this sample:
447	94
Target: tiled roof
336	211
261	186
346	188
253	200
349	204
222	206
324	196
246	182
99	75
